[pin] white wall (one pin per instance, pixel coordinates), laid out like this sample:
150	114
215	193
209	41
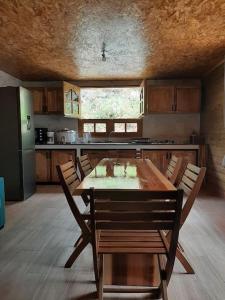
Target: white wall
8	80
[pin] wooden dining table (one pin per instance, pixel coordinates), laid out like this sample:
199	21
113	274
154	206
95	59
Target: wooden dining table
128	174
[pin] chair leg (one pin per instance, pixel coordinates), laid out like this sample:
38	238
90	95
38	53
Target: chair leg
78	240
101	276
76	252
164	290
95	262
180	254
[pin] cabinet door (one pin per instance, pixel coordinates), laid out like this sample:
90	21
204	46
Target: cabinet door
188	99
39	99
54	100
43	168
71	95
160	99
95	155
60	157
189	156
158	157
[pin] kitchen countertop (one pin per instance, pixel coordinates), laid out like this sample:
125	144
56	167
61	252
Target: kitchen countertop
121	145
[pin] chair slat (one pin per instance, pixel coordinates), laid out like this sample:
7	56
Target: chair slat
161	225
66	166
186	189
69	173
134	206
193	168
190	175
142	216
188	182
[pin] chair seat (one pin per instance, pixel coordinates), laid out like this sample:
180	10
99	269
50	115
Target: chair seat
130	241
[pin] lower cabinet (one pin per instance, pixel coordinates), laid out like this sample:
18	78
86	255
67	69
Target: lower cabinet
43	165
96	155
59	157
161	158
46	162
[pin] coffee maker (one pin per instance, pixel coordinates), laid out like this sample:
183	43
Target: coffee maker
41	135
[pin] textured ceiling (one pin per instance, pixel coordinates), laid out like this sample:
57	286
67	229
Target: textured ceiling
55	39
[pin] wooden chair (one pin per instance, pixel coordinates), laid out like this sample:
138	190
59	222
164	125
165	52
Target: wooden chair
132	222
190	183
84	165
69	181
174	169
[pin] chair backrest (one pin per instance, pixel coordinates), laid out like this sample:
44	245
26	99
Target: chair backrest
138	210
69	181
84	165
174	169
191	183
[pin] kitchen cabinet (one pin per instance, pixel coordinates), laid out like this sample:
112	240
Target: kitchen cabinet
96	155
46	162
71	94
188	99
160	99
173	96
161	158
60	157
43	165
47	100
54	100
38	99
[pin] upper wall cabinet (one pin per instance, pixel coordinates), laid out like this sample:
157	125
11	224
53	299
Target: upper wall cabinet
47	100
188	99
64	100
71	94
173	96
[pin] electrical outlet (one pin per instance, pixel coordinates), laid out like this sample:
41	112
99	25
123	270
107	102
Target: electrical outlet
223	162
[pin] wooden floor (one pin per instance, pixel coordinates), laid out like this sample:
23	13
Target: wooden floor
40	233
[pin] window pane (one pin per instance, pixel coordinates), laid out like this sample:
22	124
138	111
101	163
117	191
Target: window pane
131	127
119	127
110	103
88	127
100	127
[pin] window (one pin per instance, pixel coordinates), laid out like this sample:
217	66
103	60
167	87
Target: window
111	111
110	103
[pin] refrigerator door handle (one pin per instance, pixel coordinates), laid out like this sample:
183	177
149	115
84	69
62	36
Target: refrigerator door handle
28	123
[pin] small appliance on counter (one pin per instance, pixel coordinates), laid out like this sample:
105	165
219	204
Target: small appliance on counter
50	137
41	135
66	136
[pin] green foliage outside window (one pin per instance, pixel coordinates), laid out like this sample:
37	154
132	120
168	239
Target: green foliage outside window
110	103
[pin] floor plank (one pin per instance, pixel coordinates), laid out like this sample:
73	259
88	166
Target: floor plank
40	233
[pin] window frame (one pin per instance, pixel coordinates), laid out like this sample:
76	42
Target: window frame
110	127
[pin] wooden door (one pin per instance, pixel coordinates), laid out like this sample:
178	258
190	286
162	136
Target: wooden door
43	166
54	100
188	99
60	157
160	99
38	99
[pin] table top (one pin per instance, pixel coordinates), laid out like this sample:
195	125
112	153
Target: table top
125	174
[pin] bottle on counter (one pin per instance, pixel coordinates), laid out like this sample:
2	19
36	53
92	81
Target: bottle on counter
194	138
